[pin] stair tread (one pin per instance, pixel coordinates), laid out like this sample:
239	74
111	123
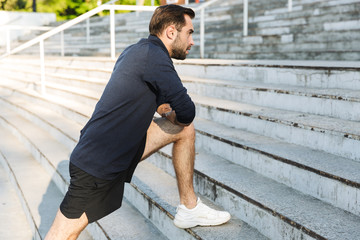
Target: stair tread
308	64
13	220
91	94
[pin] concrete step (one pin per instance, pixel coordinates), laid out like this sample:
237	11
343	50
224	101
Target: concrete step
277	211
51	153
312	74
14	224
337	103
327	56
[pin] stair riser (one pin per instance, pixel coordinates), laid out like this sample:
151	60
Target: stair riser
76	83
293	55
92	73
289	76
105	63
318	139
326	189
73	96
348	110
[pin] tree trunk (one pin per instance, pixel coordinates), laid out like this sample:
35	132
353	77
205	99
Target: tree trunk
34	6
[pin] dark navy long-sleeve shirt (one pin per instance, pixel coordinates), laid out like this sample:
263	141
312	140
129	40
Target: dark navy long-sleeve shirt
143	78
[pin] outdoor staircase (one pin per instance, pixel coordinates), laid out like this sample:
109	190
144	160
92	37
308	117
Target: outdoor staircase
278	141
277	146
313	30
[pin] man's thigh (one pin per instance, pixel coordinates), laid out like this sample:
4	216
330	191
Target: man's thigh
161	133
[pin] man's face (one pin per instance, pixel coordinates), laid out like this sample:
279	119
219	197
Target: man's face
183	41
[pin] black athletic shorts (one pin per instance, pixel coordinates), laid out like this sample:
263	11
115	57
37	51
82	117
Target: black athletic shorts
94	196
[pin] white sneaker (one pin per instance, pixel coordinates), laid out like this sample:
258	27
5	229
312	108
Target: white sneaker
201	215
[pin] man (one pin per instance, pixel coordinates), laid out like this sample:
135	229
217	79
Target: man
121	131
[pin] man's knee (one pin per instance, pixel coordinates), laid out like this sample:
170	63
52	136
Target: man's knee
188	132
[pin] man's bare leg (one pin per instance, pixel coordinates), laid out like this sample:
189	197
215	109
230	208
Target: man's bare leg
191	212
64	228
162	132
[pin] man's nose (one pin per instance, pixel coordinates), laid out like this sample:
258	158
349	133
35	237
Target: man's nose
192	41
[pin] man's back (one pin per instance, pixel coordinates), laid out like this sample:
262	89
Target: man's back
143	78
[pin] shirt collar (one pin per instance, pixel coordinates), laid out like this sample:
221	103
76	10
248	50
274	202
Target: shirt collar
158	42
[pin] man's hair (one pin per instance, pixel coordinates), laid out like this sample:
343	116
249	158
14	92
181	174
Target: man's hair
167	15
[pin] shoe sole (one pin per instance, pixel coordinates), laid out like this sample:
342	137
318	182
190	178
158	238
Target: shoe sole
180	224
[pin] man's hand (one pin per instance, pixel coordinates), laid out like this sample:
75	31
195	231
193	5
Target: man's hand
164	109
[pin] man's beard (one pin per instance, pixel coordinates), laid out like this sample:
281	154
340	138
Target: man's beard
177	51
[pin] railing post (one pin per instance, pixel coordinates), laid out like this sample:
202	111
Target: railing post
42	67
290	6
245	17
87	30
202	33
112	33
62	43
8	40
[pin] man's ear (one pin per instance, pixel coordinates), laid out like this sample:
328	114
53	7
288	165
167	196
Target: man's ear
171	32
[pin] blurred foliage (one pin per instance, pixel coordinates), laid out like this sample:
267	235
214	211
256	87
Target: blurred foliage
64	9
